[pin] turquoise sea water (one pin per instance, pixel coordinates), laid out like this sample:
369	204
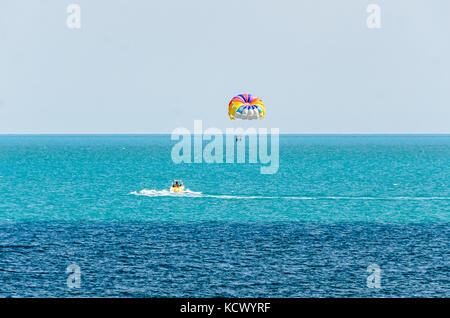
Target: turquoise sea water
336	205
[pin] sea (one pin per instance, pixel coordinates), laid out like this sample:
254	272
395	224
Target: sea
344	216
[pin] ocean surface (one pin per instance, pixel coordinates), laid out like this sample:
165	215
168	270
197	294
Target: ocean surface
337	205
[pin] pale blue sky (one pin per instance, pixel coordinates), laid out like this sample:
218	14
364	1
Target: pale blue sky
151	66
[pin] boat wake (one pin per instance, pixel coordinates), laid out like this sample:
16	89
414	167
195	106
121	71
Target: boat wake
167	193
192	194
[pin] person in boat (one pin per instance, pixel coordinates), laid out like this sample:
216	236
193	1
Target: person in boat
177	184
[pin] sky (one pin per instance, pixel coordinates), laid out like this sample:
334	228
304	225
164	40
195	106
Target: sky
152	66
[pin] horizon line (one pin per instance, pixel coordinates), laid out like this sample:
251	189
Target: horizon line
168	134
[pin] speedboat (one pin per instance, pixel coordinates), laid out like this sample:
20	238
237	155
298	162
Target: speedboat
177	186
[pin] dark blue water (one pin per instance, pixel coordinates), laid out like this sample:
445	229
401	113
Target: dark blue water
225	259
336	205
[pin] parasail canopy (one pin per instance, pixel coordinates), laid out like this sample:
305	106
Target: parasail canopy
246	107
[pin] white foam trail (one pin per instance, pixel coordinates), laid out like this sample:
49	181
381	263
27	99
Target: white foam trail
368	198
192	194
167	193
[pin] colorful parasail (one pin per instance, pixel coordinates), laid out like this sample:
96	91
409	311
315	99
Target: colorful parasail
246	107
